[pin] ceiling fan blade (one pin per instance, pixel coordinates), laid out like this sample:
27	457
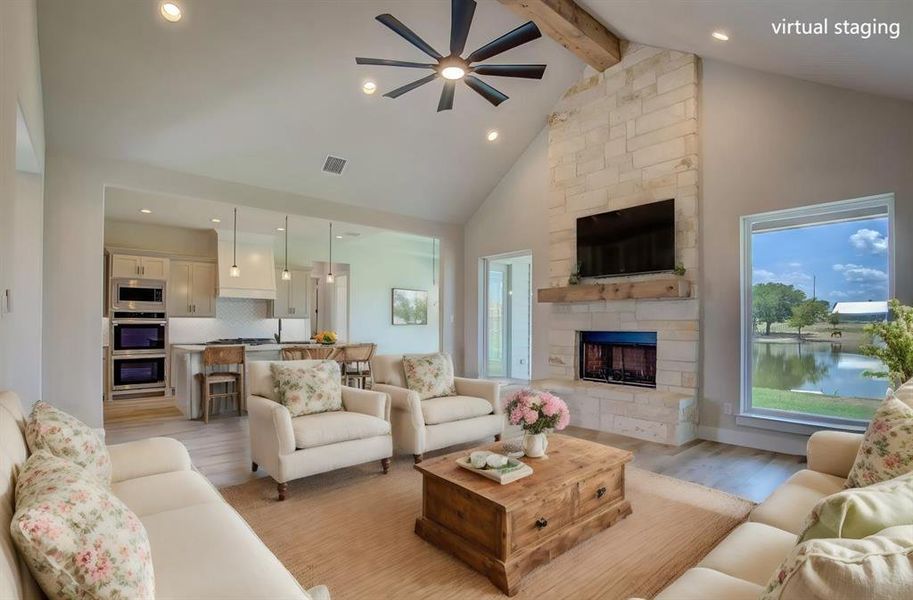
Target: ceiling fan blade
446	102
410	36
485	90
519	36
461	12
392	63
525	71
410	86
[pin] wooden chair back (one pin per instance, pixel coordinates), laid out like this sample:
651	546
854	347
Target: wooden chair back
223	355
356	353
294	353
328	353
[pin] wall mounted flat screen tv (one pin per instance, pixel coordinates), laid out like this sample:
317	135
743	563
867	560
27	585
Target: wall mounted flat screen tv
640	239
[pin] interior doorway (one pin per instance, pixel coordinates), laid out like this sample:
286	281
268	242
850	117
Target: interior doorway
506	302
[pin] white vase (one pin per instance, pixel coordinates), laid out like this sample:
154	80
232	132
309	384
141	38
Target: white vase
535	444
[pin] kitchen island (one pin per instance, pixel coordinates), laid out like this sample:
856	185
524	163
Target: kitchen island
187	361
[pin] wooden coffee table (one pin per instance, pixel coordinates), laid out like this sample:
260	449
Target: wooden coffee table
506	531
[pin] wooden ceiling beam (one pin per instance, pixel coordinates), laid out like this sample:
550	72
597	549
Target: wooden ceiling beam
570	25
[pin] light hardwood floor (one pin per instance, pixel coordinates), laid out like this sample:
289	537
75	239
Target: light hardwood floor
221	450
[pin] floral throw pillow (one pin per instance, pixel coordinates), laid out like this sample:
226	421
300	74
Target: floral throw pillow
67	437
308	390
887	448
77	538
431	375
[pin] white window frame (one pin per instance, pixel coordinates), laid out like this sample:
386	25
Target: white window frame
782	420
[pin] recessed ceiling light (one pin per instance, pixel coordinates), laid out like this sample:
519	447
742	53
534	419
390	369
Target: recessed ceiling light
452	73
280	228
719	35
492	135
216	220
145	211
369	87
171	12
338	237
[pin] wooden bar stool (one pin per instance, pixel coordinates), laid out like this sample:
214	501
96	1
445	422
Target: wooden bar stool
294	353
215	357
356	364
324	353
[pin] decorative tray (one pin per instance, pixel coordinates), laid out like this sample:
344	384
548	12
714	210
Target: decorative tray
513	471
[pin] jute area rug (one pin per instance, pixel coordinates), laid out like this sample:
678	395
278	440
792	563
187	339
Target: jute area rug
352	530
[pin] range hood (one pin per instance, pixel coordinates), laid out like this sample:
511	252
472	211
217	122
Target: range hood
257	264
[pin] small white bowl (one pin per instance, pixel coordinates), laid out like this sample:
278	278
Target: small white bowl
479	458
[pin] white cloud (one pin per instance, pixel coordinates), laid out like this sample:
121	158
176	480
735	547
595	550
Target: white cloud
794	265
869	240
859	274
763	276
837	294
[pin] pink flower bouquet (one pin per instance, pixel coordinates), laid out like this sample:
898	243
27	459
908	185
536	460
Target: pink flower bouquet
537	411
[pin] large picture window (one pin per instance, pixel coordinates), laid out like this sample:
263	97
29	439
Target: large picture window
812	278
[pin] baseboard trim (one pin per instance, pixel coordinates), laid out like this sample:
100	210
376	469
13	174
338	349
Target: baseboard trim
784	443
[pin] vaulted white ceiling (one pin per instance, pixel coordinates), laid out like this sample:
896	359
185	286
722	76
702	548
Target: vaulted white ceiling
259	92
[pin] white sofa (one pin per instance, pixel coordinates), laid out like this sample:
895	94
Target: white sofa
420	426
201	547
742	564
290	448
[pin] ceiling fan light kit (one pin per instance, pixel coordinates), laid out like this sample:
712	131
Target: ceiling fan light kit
454	67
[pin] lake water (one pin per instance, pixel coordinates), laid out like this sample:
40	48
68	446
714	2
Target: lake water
816	366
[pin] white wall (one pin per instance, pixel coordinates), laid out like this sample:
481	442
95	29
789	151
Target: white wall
514	217
180	241
73	247
20	201
772	142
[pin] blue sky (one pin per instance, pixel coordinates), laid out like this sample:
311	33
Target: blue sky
848	260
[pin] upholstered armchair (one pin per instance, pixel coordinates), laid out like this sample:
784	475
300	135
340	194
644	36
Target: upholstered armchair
291	448
420	426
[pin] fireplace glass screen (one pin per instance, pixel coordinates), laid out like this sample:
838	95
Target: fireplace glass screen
625	357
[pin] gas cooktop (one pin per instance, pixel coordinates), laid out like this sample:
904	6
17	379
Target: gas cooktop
241	341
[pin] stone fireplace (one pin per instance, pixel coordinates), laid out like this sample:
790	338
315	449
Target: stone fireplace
617	139
621	357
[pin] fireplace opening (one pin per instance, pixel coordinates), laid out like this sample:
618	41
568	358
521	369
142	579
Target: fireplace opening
623	357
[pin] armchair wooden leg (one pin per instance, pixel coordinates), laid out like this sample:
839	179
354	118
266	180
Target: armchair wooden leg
385	463
418	458
254	466
498	438
282	488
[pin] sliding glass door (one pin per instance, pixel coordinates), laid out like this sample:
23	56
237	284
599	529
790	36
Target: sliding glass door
506	316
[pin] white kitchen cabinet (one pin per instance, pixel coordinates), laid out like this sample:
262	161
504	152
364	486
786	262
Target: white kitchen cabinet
192	289
139	267
291	296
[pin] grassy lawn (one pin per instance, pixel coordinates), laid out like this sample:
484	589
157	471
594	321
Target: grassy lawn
815	404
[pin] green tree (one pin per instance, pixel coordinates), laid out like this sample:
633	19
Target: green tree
773	302
806	314
834	320
895	349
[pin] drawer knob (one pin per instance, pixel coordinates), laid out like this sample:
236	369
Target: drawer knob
600	492
541	522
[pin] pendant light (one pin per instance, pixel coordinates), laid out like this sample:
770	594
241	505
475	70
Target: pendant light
330	277
235	271
286	274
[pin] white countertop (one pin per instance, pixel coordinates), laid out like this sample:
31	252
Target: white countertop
247	347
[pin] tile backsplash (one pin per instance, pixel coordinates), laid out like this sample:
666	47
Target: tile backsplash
236	317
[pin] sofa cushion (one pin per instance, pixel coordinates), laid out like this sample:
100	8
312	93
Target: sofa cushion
887	448
878	566
308	390
430	375
751	552
260	377
334	427
790	504
65	436
858	512
149	456
454	408
165	491
78	539
208	552
700	583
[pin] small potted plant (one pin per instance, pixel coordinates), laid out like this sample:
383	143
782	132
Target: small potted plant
537	412
574	277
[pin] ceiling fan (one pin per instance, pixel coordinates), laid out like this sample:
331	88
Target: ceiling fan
453	67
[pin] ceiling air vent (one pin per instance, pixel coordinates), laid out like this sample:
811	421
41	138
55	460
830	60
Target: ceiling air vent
334	165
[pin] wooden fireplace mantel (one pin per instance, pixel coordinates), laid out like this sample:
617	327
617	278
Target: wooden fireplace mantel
666	287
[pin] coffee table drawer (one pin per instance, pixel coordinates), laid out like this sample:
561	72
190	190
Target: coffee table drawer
541	519
600	490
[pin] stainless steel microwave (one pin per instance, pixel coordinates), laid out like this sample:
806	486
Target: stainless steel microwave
137	295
